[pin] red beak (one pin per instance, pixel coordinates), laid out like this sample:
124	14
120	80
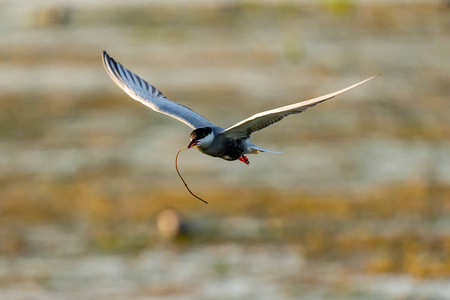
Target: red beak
192	143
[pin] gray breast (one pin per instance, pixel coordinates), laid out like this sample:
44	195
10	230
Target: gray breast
226	148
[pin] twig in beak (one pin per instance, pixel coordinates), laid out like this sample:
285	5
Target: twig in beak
185	184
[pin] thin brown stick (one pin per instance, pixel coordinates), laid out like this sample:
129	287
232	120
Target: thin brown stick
185	184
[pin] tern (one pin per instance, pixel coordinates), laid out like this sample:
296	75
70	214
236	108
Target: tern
230	143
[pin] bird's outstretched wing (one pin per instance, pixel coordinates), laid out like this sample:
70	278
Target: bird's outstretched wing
263	119
148	95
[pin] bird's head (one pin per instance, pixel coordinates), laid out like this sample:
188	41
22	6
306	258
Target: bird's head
201	137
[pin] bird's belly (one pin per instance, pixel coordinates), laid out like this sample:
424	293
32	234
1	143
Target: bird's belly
232	150
227	157
232	154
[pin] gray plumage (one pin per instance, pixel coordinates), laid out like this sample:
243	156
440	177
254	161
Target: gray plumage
231	143
147	94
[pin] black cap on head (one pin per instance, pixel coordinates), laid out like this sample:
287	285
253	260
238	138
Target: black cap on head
200	133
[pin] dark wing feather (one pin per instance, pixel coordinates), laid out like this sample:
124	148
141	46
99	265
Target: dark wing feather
140	90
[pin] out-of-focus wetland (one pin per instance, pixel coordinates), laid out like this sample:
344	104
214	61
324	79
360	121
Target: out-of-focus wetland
356	207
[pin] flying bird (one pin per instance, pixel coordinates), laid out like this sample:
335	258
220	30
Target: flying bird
230	143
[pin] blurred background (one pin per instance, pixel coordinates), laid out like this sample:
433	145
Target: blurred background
356	207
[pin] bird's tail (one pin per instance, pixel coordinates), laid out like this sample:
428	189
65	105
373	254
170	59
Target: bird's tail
255	150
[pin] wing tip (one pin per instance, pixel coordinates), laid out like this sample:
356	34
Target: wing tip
112	67
109	62
105	56
372	77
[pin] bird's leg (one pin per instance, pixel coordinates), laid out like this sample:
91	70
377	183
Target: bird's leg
244	159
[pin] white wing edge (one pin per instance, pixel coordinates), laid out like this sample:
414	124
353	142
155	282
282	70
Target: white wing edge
294	106
140	90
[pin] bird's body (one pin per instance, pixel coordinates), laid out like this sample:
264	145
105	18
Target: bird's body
229	144
226	148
